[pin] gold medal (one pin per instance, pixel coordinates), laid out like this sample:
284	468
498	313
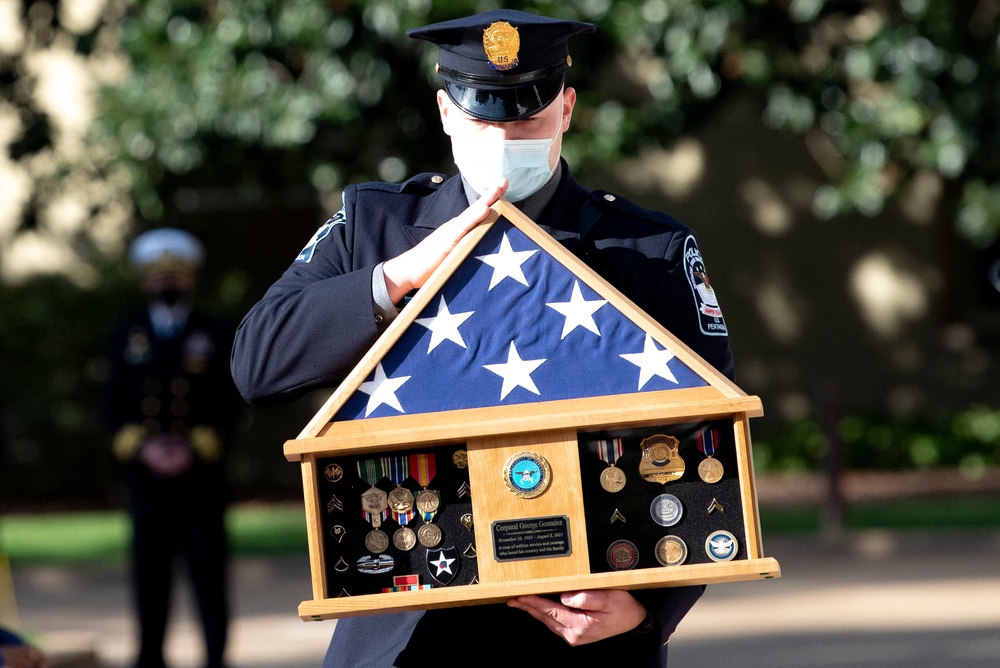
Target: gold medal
660	460
374	501
710	470
429	535
613	479
427	502
404	539
401	500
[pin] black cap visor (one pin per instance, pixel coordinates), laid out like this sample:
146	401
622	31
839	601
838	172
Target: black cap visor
505	103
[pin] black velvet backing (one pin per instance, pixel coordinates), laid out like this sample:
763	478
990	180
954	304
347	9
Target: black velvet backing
634	500
447	480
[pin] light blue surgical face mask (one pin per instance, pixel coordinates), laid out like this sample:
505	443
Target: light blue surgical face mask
483	161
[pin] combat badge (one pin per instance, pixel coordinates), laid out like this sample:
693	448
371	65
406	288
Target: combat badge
443	564
710	318
502	43
527	474
721	546
369	565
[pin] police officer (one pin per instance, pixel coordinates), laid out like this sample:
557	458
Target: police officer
505	107
171	407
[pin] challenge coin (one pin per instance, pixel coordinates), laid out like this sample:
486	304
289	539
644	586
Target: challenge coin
527	475
666	510
622	555
721	546
671	551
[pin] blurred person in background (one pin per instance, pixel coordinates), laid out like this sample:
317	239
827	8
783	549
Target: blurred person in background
171	407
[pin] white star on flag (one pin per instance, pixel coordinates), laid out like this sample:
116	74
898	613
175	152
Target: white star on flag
442	565
651	362
444	326
382	390
578	311
506	262
515	372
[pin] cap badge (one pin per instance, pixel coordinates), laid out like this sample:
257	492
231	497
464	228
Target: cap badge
501	43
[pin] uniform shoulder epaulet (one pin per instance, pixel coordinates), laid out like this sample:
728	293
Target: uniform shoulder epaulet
612	204
427	181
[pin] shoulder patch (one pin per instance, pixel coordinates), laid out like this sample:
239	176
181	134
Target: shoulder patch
710	318
306	255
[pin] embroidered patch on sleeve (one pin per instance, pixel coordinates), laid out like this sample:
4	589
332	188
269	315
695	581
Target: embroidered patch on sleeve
306	255
710	318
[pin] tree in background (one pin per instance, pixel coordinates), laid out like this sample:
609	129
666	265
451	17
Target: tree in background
120	114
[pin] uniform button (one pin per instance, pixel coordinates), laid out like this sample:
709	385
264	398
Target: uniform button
609	197
437	178
378	318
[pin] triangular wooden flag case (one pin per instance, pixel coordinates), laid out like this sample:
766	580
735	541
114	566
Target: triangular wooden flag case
440	473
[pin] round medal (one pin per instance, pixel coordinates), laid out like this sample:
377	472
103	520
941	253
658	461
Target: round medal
404	539
376	541
429	535
428	501
671	551
710	470
666	510
527	475
333	472
613	479
622	555
721	546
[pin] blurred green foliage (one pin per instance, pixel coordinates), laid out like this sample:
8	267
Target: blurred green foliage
969	440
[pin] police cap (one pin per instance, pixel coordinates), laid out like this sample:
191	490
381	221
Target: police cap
503	65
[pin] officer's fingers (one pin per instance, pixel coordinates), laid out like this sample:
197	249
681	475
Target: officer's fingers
477	212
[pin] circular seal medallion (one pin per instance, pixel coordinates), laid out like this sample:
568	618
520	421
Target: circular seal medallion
429	535
721	546
527	475
333	472
376	541
613	479
404	539
710	470
460	459
671	551
622	555
428	501
666	510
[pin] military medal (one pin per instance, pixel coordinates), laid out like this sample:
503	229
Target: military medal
660	460
721	546
612	478
710	469
671	551
374	506
666	510
622	555
423	467
398	469
527	475
429	535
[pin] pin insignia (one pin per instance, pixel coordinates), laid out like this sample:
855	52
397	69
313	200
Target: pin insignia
618	517
443	564
501	42
369	565
333	472
721	546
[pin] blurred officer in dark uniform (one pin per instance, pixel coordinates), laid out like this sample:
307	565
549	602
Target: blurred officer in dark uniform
171	407
505	107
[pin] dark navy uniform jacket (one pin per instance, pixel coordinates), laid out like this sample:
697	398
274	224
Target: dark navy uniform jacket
315	323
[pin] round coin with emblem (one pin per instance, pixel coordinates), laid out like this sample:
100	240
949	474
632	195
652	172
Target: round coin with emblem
613	479
376	541
333	472
460	459
710	470
671	551
527	474
721	546
666	510
622	555
429	535
404	539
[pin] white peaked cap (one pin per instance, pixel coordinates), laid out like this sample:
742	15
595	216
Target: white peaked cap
166	245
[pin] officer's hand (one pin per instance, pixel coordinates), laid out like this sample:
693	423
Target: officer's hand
410	270
585	616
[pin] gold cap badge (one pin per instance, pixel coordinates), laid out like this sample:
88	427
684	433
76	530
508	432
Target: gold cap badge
501	43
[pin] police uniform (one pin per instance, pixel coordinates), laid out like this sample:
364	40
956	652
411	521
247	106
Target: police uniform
314	324
173	378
